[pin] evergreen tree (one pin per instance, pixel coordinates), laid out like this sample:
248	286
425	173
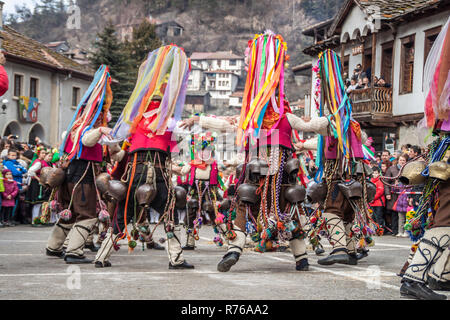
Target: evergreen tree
109	51
144	41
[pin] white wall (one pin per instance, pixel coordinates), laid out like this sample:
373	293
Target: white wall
413	102
44	97
53	118
234	102
66	111
196	77
354	20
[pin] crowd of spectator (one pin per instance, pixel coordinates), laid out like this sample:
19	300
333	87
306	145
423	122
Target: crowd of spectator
393	200
21	194
362	80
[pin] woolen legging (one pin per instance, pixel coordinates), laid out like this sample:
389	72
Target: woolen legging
6	214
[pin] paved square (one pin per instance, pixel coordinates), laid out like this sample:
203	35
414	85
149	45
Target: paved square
27	273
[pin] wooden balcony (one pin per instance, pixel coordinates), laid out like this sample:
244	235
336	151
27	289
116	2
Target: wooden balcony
372	103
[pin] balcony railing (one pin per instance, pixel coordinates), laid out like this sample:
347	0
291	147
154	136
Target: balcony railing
371	101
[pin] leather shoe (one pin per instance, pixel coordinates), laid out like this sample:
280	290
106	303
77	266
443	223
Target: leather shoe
335	258
154	245
352	259
77	260
362	254
59	254
92	247
188	247
105	264
228	261
319	250
418	290
434	284
302	265
184	265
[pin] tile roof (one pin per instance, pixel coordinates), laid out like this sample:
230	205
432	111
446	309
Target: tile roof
239	94
390	9
20	46
198	93
303	66
310	30
299	104
214	55
218	71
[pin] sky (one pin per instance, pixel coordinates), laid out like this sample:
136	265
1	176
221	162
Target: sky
9	5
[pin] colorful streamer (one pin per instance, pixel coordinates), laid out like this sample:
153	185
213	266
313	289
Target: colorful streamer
165	73
263	100
97	98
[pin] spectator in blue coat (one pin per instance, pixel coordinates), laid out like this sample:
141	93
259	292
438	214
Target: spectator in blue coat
17	170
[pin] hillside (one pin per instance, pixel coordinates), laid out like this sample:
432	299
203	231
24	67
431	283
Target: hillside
209	25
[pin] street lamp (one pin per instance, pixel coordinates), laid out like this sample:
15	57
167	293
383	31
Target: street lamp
4	102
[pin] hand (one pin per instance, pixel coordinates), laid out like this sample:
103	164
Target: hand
2	59
106	131
176	169
388	197
188	123
299	146
232	120
8	197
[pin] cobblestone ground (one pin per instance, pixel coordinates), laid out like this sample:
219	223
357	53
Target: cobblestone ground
27	273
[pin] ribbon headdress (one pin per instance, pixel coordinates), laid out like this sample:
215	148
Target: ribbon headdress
166	66
97	98
264	88
436	80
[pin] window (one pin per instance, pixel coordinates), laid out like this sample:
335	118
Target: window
232	62
34	83
367	61
386	61
345	64
430	37
407	64
75	96
18	85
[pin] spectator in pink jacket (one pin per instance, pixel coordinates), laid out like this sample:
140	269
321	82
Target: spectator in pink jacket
8	198
4	81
